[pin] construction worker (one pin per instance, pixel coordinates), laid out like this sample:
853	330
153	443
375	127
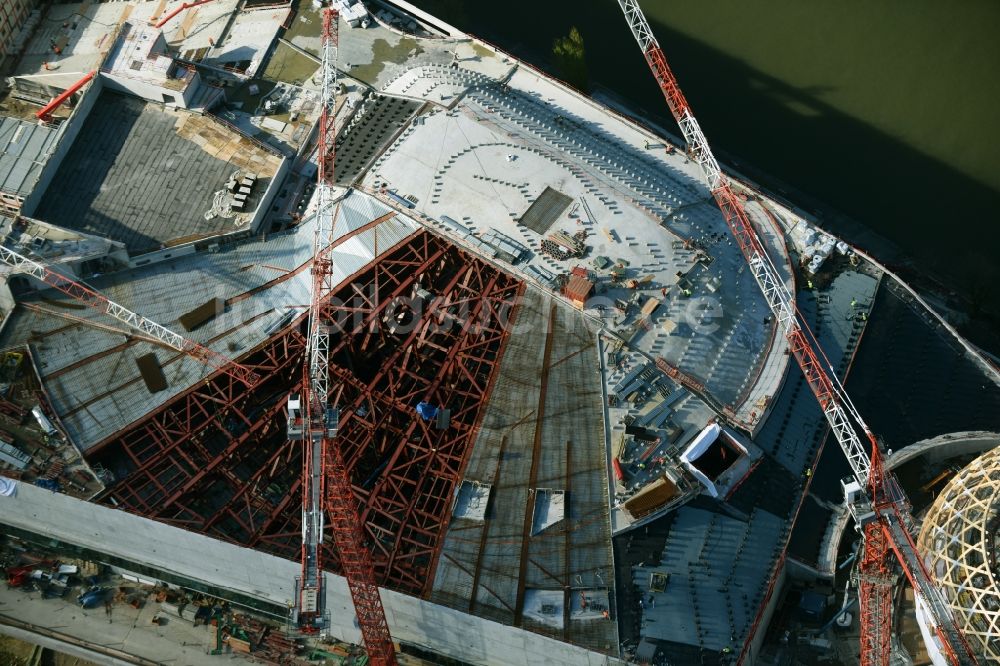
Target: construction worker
809	284
854	302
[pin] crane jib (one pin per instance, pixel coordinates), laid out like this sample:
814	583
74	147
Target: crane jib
156	332
875	486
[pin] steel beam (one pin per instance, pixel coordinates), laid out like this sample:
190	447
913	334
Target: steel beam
215	459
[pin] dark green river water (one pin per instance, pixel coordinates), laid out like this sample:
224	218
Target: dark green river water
885	110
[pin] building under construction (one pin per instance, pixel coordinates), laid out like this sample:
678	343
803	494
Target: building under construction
571	421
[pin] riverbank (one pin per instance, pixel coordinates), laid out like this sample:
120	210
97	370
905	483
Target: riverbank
858	136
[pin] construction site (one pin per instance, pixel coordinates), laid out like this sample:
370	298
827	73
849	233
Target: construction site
333	334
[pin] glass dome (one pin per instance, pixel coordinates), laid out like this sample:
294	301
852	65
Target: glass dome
958	540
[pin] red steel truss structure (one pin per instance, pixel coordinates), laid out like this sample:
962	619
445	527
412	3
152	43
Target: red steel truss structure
216	460
441	344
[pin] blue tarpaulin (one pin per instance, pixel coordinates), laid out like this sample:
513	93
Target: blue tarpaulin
48	484
426	410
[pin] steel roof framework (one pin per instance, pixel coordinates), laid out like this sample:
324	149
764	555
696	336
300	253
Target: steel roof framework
447	357
215	459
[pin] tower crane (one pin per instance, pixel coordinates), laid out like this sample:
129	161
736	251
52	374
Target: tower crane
877	503
313	419
102	303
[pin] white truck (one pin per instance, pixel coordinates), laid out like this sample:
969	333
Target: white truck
43	421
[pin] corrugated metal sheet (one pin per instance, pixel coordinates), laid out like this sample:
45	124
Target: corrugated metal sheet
575	554
24	148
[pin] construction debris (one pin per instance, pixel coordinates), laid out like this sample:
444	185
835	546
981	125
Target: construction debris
560	245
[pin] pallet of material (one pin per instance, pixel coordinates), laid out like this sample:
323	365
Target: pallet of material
629	377
652	497
656	416
565	240
619	448
237	645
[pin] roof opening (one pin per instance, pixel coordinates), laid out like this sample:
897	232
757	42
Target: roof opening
718	457
152	372
203	313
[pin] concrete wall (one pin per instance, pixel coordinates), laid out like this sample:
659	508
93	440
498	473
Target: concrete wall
149	90
757	640
7	304
271	579
68	132
944	447
163	255
421	16
277	182
50	641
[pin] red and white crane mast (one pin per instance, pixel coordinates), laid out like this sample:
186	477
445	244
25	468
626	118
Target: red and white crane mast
879	504
313	419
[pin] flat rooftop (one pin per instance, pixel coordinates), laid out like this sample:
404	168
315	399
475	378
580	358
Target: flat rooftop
138	54
82	33
487	152
146	175
195	27
246	40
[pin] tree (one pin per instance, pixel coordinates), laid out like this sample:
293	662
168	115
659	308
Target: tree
571	59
